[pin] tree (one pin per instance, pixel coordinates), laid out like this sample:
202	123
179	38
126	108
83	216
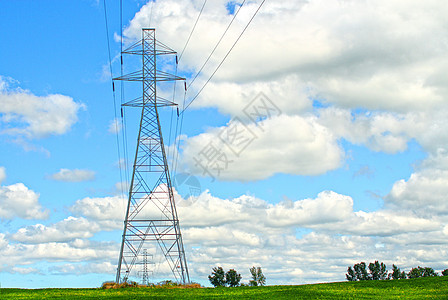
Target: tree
351	276
445	272
396	273
217	278
257	277
233	278
360	271
422	272
377	271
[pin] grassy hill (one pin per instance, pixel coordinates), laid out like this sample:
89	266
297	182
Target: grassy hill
421	288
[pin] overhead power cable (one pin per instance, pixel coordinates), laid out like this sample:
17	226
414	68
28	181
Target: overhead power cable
225	57
178	58
113	92
217	44
192	30
123	115
150	13
176	154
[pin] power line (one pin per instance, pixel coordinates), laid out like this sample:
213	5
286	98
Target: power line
150	14
191	33
178	140
113	92
171	120
217	44
108	44
123	116
225	57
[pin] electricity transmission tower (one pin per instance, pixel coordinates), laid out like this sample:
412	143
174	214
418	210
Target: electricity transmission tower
145	272
151	215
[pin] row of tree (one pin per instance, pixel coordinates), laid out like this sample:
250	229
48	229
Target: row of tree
231	278
378	271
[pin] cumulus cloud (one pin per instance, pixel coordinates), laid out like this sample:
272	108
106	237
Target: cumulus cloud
288	93
107	211
425	192
26	115
295	241
222	236
378	131
376	69
373	74
298	146
383	55
75	175
2	174
66	230
317	240
213	211
328	207
71	249
114	126
84	268
381	223
329	212
24	271
17	200
292	260
75	251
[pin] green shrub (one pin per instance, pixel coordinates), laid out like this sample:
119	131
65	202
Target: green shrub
422	272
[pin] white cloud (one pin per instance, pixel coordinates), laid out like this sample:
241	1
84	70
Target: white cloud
382	55
425	192
66	230
379	68
2	174
108	212
288	93
3	241
328	207
296	145
75	175
388	132
329	211
381	223
24	271
301	241
17	200
27	146
121	188
22	254
385	132
82	268
31	116
385	59
212	211
336	238
114	126
221	236
384	91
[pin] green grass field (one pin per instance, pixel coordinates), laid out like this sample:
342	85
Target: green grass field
421	288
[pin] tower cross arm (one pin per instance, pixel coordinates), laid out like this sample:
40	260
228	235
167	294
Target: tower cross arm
139	76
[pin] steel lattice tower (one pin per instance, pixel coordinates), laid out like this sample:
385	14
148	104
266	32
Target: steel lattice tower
151	215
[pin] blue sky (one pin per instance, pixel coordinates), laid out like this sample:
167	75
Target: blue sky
358	137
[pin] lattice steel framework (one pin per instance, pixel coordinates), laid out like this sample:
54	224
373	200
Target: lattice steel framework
145	269
151	215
